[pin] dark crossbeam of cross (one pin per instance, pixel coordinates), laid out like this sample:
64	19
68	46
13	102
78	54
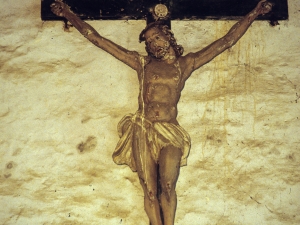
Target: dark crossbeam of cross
177	9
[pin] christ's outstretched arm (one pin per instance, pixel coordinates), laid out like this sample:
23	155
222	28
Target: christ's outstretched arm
128	57
235	33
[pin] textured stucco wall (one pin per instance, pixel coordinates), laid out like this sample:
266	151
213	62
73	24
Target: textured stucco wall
61	99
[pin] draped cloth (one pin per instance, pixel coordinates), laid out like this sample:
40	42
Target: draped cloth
156	136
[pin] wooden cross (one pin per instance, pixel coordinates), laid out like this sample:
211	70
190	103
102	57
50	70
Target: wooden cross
178	9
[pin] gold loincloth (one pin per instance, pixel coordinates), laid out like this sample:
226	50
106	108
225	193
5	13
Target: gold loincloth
157	135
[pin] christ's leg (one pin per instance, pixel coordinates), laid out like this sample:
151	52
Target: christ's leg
147	172
169	166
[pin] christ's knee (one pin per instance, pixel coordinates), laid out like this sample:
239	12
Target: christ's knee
168	189
151	195
150	192
150	198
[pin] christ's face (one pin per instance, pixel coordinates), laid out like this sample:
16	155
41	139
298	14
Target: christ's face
157	43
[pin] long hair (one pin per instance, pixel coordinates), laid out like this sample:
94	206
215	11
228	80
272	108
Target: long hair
168	32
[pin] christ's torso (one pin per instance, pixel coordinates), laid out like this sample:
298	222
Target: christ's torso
161	89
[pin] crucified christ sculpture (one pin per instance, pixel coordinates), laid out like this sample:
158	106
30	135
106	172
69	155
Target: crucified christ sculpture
152	143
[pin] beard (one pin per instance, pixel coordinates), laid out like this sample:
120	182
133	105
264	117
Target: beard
160	51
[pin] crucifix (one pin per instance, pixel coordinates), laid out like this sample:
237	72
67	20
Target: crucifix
152	143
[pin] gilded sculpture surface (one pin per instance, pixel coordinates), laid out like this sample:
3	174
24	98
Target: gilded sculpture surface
152	142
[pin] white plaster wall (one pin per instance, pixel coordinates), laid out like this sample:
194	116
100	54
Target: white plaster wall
61	99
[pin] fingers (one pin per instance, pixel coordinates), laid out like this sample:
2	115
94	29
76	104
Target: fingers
56	2
57	7
261	3
266	7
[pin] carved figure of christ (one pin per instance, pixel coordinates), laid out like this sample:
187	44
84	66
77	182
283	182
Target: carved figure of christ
152	142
